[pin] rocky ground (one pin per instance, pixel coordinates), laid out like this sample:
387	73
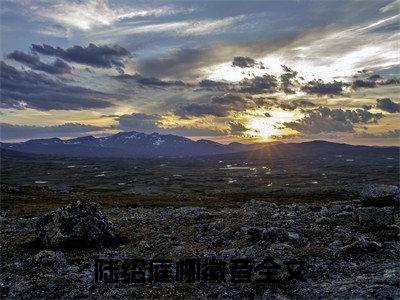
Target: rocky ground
350	248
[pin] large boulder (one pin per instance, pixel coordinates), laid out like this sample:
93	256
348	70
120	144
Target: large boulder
380	195
360	246
79	224
375	217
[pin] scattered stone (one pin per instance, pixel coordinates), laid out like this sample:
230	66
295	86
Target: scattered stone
392	277
53	258
293	236
79	224
380	195
322	220
344	214
254	232
370	217
274	234
254	204
360	246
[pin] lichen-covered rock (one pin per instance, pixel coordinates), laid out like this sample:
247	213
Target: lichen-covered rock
52	258
79	224
360	246
374	217
380	195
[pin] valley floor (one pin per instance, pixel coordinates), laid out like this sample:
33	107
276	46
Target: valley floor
345	256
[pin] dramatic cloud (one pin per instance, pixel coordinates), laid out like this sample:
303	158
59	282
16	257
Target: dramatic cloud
197	110
321	88
92	55
324	119
388	105
259	84
219	106
359	83
286	78
33	62
89	15
152	123
20	89
236	128
243	62
10	132
192	63
149	81
233	101
374	81
216	85
296	104
139	122
391	134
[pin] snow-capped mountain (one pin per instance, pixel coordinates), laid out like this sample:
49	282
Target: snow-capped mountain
127	144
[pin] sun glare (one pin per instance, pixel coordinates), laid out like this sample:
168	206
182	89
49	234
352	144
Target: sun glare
266	127
263	127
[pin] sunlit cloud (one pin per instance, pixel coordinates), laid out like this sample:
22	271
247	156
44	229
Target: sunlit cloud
92	14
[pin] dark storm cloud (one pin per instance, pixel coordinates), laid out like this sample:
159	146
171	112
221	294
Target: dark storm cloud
139	122
21	89
9	131
190	63
216	85
236	128
34	62
243	62
182	62
92	55
232	100
200	109
296	104
149	81
287	78
319	87
152	123
259	84
219	106
373	81
388	105
391	134
359	83
390	81
324	119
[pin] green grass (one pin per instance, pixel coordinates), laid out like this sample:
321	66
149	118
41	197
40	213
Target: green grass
313	251
33	201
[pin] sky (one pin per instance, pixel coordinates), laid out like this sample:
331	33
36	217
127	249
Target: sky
244	71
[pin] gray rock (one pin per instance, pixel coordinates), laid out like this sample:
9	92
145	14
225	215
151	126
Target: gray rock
374	217
392	277
344	214
254	232
360	246
53	258
293	236
380	195
275	234
79	224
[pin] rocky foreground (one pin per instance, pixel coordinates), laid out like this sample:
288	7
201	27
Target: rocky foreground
351	248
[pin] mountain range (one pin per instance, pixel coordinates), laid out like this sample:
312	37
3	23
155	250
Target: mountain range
127	144
140	145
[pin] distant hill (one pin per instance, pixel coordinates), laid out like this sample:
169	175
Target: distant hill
140	145
127	144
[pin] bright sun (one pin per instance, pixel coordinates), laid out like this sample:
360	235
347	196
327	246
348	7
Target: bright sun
264	127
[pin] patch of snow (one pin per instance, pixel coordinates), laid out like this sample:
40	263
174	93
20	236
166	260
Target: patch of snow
158	142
